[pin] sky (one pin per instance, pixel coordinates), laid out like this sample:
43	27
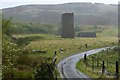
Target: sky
13	3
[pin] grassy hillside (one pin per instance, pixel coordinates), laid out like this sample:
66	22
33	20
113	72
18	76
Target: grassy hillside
85	13
37	27
23	62
101	31
32	55
51	43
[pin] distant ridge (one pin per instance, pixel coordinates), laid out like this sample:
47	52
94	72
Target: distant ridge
85	13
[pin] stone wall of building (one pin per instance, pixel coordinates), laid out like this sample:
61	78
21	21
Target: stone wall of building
67	23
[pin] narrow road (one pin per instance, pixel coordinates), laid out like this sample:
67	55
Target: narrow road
67	67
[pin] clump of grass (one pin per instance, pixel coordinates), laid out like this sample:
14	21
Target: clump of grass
24	60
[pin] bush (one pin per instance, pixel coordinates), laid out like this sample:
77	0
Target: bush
22	74
45	71
23	59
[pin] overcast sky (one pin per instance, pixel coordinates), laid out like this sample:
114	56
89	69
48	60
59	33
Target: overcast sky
12	3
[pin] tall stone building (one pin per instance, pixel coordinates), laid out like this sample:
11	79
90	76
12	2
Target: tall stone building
67	21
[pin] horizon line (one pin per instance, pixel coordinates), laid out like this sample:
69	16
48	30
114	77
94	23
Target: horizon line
54	4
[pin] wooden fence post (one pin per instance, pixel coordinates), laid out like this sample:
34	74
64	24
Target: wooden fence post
117	70
86	45
92	64
85	57
103	68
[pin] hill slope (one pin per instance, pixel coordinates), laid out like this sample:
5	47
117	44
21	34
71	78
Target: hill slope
85	13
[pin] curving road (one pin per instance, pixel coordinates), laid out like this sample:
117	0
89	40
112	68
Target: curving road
67	67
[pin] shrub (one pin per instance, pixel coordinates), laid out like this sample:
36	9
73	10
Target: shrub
23	59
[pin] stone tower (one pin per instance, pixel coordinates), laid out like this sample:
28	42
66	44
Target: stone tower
67	23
